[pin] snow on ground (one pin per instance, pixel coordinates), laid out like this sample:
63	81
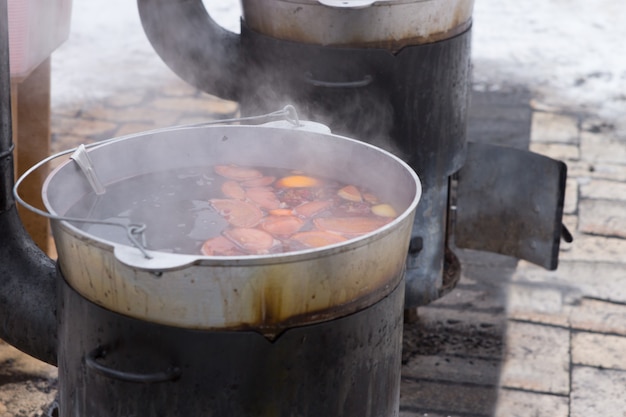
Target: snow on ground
569	53
107	51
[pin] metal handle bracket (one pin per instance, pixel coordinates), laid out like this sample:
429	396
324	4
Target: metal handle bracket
172	373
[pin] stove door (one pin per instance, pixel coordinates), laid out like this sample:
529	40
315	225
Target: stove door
510	201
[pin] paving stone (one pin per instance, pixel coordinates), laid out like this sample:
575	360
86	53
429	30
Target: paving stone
179	88
599	350
603	217
513	403
27	385
610	171
88	128
447	399
538	303
126	99
603	190
470	297
570	205
558	151
453	369
70	110
452	338
536	358
30	398
599	316
579	169
589	248
458	317
606	171
160	117
85	127
602	148
62	125
130	128
554	128
597	392
599	280
194	105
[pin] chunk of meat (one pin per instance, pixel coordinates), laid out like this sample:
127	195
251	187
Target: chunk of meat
250	240
232	189
237	213
282	225
220	246
312	208
263	197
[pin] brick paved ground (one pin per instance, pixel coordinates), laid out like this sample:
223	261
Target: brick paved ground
511	339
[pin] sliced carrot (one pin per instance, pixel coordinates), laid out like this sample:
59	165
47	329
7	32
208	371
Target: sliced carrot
238	173
250	240
232	189
238	213
281	212
298	181
282	225
317	238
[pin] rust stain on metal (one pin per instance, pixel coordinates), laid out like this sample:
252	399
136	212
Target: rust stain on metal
274	320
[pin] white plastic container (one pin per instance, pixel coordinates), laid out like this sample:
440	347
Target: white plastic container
36	29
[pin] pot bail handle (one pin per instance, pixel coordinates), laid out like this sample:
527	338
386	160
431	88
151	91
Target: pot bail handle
172	373
363	82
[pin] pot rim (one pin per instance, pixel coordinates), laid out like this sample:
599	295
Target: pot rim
386	24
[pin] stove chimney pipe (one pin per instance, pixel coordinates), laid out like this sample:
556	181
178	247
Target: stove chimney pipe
27	276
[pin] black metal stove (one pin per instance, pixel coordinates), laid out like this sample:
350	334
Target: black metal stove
114	365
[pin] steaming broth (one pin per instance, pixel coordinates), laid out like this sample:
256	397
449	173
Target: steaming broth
228	210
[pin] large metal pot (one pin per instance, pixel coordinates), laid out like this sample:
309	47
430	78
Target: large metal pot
267	293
